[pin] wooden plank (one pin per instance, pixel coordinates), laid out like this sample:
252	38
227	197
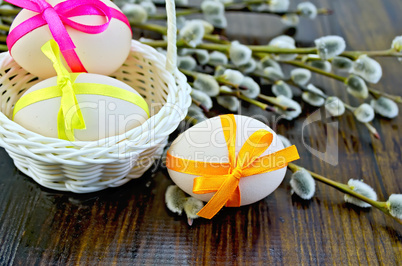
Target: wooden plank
131	224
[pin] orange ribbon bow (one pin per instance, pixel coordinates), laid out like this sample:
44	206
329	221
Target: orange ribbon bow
224	178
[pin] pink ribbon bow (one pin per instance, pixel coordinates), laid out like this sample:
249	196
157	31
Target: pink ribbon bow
59	16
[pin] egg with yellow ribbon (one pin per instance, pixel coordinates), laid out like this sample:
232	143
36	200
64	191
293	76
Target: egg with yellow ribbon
229	160
94	35
79	106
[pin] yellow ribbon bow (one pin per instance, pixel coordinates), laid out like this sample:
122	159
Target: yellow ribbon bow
69	116
224	178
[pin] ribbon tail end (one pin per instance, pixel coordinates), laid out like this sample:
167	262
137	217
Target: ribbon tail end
206	214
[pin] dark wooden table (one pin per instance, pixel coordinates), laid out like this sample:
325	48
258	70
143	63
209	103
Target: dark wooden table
131	224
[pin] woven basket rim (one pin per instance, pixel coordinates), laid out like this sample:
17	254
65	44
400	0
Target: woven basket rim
171	100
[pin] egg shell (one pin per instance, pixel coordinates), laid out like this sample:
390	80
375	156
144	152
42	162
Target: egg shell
206	142
104	116
101	53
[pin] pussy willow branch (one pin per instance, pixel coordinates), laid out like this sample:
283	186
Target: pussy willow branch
179	13
213	38
222	81
374	92
273	100
383	53
189	10
320	11
237	94
199	104
218	46
247	2
270	99
369	126
241	7
382	206
4	27
224	46
9	12
259	104
227	5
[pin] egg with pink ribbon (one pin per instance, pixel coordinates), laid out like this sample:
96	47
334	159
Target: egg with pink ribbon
94	35
229	160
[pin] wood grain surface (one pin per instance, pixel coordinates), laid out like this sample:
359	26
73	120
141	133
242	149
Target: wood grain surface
131	224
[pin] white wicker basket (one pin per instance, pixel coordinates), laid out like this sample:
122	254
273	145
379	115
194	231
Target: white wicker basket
83	167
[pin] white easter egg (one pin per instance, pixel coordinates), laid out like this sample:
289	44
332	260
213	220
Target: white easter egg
104	116
206	142
100	53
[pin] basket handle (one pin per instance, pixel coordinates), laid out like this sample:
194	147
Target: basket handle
171	55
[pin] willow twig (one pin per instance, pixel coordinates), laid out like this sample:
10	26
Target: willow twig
382	206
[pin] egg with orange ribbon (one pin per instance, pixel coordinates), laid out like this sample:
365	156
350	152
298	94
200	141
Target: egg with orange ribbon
94	35
229	160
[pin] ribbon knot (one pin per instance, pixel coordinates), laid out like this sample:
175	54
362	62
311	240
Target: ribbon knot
65	84
47	12
59	16
224	178
237	173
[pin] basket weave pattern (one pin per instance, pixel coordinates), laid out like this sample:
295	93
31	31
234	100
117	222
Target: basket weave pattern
87	166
